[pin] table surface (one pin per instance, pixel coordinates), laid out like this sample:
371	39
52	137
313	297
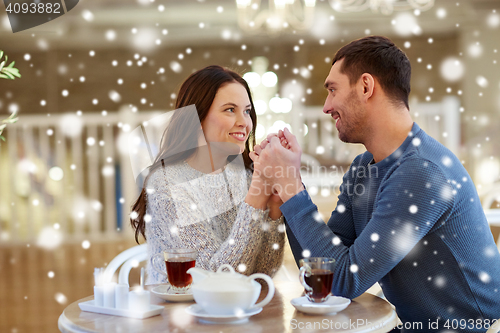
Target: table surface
367	313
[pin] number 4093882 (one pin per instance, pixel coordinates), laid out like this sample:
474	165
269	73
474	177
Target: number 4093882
34	8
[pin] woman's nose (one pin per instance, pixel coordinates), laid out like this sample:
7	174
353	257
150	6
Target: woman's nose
241	120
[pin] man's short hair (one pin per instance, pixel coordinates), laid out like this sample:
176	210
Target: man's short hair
378	56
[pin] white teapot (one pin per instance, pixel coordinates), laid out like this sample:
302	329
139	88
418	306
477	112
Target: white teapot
228	293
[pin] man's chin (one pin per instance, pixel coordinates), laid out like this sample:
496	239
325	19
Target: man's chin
344	138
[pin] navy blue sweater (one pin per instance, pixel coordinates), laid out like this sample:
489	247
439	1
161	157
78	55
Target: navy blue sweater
414	223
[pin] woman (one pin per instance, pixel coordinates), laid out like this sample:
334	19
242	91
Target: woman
207	198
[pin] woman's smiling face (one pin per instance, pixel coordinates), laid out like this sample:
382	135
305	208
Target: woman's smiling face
228	119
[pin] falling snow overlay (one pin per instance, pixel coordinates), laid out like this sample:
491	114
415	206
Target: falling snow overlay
91	76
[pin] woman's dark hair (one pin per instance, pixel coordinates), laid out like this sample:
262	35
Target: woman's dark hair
199	89
380	57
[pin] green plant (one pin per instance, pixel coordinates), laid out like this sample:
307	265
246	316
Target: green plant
12	119
8	72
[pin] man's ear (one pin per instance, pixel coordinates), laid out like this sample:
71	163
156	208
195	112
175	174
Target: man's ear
367	83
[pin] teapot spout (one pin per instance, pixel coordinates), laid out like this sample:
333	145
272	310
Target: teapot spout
198	274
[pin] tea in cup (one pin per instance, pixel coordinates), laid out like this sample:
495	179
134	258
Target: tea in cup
316	276
177	262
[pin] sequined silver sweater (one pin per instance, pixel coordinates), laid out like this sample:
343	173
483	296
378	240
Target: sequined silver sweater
190	209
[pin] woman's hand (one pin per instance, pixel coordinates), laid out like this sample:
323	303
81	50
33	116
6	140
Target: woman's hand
260	181
280	135
274	204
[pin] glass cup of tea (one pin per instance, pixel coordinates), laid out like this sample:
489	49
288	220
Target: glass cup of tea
177	262
316	276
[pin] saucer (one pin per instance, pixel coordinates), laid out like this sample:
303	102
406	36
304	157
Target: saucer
203	316
333	305
165	292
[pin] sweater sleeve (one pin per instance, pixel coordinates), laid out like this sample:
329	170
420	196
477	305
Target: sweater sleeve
411	200
341	219
271	252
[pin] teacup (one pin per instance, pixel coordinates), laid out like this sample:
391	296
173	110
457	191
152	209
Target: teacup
316	276
177	263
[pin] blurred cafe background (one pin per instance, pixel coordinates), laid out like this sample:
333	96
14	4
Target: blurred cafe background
94	74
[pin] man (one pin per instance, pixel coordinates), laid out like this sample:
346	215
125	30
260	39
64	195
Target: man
408	215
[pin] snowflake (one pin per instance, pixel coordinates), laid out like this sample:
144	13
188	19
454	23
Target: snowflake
61	298
265	226
49	238
255	215
452	69
490	251
440	282
484	277
446	161
318	217
446	193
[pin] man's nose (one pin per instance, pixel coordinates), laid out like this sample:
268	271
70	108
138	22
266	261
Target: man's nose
327	107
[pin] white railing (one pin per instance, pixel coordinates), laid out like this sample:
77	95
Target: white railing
441	120
93	198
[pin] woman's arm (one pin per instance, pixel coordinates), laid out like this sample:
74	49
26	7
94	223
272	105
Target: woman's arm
179	222
271	252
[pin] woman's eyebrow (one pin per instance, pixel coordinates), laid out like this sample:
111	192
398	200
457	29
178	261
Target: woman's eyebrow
229	104
233	104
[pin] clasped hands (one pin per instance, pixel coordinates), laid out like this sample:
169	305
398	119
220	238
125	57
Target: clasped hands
277	166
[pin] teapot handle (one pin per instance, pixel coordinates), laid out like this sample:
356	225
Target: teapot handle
221	267
153	264
270	292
